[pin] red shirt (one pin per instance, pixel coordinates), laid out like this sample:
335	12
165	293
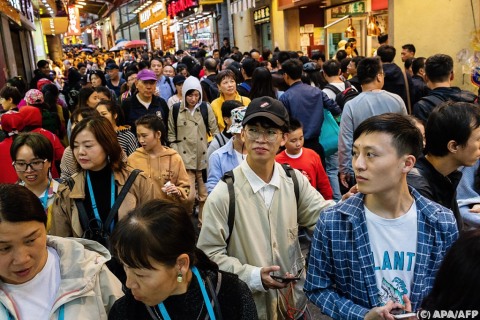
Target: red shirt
310	165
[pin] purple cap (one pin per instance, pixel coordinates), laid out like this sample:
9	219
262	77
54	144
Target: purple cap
146	75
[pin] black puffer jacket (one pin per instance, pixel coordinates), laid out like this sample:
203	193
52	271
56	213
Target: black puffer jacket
439	188
424	107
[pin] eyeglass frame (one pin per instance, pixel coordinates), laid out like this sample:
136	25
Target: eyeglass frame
30	164
264	134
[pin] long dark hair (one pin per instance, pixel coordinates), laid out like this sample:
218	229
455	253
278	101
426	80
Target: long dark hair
158	230
458	279
262	84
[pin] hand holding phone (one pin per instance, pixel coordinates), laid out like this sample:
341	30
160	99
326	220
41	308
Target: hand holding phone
285	279
401	314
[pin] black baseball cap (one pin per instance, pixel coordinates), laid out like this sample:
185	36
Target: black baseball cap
267	107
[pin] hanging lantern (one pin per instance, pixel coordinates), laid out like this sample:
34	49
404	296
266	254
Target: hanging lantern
372	27
350	32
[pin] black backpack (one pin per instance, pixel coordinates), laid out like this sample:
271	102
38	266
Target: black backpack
212	88
229	179
203	110
94	229
344	96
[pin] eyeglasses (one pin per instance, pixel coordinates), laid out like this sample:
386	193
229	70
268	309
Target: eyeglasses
23	166
270	135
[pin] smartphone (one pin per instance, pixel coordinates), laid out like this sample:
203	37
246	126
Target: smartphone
401	314
284	279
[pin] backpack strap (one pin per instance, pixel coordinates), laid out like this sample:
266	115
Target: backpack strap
204	111
333	88
214	293
229	179
82	212
175	111
433	99
291	173
245	86
121	196
220	139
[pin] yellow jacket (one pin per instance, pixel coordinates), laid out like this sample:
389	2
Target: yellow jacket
217	108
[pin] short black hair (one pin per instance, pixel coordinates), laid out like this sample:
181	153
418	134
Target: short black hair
383	38
318	56
439	67
331	67
368	69
249	65
450	121
406	138
18	204
344	64
294	68
408	63
283	56
340	55
40	145
8	92
228	106
386	53
210	64
42	63
294	124
417	64
410	47
357	59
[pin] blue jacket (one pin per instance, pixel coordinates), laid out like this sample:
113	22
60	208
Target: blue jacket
166	88
221	161
341	278
133	110
306	103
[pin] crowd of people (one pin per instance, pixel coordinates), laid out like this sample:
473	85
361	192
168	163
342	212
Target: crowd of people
189	181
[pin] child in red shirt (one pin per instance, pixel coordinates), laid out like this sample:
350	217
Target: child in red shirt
305	160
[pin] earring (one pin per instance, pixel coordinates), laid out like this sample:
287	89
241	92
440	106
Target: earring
108	158
179	277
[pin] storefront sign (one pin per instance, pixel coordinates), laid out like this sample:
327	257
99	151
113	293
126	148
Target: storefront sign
73	22
205	2
152	14
8	9
261	15
356	8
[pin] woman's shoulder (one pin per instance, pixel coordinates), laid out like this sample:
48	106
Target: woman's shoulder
127	308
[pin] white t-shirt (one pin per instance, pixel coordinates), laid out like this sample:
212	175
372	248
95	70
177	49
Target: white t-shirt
35	298
329	92
394	246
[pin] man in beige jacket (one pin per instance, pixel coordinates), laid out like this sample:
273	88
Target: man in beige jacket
264	238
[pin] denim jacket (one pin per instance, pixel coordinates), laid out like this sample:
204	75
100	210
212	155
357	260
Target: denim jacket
341	279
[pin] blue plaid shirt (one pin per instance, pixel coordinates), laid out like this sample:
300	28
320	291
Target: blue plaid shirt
341	279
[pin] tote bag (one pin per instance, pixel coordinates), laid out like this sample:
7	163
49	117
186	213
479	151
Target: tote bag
329	134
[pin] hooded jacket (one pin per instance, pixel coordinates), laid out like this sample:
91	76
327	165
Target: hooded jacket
87	288
424	107
168	166
191	131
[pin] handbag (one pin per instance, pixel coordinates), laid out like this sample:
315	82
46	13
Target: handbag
329	134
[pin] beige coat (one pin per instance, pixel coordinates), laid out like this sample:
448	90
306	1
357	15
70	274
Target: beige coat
65	219
191	139
261	237
166	167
